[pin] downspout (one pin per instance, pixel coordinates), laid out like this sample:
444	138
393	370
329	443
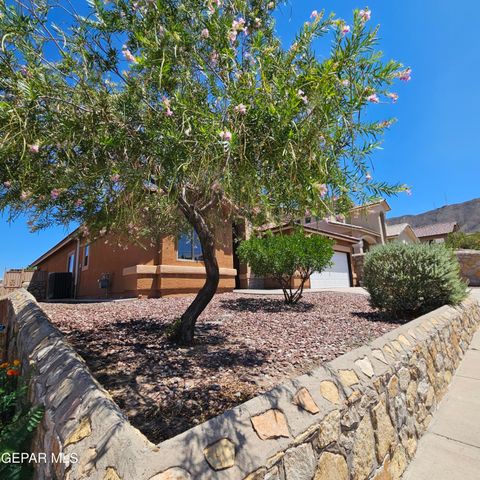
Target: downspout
77	260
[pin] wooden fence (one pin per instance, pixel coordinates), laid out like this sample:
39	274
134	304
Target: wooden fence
14	279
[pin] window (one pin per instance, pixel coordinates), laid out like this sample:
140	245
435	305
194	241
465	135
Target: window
71	263
188	247
86	255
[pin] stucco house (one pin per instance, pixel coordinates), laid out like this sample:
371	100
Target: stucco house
174	266
435	232
401	232
171	267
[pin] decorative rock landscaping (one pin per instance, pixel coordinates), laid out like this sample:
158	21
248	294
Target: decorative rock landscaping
358	416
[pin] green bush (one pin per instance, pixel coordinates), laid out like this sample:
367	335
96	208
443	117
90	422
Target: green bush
413	279
18	421
281	257
459	240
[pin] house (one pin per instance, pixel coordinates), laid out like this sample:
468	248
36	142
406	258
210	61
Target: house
363	228
436	232
401	232
340	274
173	266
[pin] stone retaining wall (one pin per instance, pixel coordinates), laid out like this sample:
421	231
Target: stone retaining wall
470	266
359	416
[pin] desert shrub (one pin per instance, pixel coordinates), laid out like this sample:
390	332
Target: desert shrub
407	280
459	240
18	421
282	257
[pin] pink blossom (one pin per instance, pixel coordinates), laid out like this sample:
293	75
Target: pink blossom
314	14
226	135
79	202
345	29
7	184
24	196
205	33
241	109
271	5
405	75
115	178
166	102
302	96
35	148
257	23
365	15
393	96
128	54
408	191
232	36
85	231
373	98
322	189
368	177
346	83
55	193
238	24
214	58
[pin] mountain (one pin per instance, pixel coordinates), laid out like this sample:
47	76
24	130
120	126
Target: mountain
466	214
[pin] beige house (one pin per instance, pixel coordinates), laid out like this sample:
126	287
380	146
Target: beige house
402	233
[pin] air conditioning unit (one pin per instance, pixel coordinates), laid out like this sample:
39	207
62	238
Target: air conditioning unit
60	285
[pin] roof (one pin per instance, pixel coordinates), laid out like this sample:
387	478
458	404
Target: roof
382	202
435	229
58	246
395	230
311	228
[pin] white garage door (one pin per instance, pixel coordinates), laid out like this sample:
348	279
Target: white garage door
338	275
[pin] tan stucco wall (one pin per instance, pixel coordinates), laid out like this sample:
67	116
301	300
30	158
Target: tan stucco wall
113	259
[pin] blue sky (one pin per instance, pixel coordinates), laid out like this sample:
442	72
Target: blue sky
433	147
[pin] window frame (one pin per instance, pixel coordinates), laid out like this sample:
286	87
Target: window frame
193	239
86	256
69	256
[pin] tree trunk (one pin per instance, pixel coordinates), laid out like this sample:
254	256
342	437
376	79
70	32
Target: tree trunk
185	330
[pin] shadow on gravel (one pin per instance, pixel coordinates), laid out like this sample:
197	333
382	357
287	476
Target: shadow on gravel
268	305
164	389
379	317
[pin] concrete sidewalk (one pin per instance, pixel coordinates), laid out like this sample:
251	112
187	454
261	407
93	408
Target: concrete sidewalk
450	449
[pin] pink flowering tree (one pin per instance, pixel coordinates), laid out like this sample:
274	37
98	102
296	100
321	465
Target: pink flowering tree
136	118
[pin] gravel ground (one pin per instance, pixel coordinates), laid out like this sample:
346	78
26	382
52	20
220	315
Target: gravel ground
245	345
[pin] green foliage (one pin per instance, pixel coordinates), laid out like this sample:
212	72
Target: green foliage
18	421
283	256
407	280
111	116
461	240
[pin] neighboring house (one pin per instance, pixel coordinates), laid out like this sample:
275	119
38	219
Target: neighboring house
171	267
402	233
363	228
340	274
436	232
